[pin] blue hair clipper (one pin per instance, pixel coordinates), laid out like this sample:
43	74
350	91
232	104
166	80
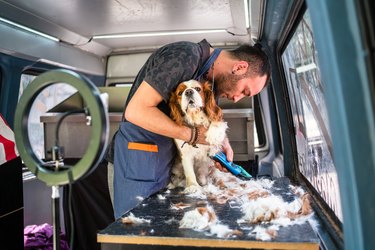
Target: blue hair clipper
235	169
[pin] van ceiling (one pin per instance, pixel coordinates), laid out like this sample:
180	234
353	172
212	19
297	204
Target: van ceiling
75	22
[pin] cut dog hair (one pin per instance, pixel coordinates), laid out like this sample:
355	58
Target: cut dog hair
193	104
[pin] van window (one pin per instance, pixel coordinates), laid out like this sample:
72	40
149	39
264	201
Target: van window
306	91
47	99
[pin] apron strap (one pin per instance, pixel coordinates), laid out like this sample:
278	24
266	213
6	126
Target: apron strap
208	63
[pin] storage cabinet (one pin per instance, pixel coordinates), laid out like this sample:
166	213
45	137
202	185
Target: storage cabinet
11	204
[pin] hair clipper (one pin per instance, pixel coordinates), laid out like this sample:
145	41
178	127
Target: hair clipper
235	169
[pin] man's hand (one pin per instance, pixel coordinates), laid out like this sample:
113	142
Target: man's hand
226	147
228	151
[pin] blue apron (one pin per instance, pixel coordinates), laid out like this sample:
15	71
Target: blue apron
142	161
142	165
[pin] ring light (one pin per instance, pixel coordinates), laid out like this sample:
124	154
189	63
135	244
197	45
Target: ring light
99	122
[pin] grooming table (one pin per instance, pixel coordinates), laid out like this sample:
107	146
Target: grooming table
163	231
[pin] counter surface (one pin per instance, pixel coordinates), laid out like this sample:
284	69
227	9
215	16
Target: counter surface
163	227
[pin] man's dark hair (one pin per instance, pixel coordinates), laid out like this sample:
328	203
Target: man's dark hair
257	59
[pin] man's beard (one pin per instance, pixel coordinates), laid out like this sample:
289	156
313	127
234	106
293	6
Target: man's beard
225	84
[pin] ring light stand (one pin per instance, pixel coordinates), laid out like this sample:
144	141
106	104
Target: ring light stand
55	175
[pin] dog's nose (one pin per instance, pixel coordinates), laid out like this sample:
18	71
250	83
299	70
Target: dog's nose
189	92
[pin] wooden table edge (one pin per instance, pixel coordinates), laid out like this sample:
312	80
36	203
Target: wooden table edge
194	242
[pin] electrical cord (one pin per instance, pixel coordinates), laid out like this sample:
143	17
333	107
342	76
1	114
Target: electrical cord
66	114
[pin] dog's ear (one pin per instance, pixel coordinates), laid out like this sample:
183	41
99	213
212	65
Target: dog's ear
212	110
175	107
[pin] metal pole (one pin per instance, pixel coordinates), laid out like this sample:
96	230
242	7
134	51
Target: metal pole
56	217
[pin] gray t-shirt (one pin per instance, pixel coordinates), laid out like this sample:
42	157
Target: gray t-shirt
170	65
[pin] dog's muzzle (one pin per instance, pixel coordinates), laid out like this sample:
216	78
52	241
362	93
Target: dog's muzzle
191	100
189	92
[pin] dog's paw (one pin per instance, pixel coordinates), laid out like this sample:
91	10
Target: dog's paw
193	189
171	186
176	181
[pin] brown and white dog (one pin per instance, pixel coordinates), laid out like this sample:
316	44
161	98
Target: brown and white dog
193	104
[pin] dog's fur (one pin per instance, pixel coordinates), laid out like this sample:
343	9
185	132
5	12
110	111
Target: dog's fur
193	104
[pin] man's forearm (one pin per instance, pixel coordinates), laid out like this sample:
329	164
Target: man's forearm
152	119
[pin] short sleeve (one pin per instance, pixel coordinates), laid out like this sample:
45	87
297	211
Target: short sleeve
171	65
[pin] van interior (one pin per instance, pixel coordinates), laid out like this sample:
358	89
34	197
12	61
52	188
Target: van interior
313	123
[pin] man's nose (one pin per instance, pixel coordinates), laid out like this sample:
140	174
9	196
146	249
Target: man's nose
189	92
237	98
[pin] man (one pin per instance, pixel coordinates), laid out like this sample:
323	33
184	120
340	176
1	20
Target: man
144	148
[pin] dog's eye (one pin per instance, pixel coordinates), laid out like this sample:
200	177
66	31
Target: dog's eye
197	89
180	93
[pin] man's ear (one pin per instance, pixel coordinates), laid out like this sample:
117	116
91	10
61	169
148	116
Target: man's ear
240	67
175	107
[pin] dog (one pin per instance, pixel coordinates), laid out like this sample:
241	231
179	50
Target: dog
193	104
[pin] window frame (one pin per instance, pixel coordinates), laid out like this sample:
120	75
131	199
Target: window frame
331	230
